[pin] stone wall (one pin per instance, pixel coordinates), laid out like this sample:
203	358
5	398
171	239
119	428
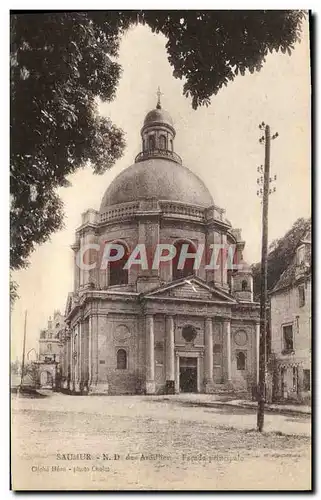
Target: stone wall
117	332
285	309
243	339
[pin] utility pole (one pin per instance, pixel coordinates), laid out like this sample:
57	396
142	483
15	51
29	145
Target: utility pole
265	192
23	351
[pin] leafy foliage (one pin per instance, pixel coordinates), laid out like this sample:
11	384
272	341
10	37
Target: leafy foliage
209	48
60	64
282	252
13	291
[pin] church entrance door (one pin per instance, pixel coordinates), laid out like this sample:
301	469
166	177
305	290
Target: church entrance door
188	374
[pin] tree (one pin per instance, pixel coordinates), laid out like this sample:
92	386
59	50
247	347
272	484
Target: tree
13	292
62	63
15	367
282	252
208	49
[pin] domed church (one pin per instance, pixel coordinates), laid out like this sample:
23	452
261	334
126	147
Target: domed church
167	328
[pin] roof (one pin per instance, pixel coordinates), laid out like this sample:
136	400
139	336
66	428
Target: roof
289	277
159	179
286	279
158	115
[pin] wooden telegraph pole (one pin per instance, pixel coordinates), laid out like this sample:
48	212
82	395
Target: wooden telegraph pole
265	180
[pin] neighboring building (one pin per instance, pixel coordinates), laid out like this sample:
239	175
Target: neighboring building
167	329
50	344
291	327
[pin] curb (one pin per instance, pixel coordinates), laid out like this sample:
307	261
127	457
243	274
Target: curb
280	411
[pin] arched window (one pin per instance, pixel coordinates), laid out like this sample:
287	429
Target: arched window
188	265
151	142
162	142
117	274
121	359
171	144
244	285
240	360
49	347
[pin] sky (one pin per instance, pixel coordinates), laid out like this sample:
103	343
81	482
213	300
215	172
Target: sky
218	143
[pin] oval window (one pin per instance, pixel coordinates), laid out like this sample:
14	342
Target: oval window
189	333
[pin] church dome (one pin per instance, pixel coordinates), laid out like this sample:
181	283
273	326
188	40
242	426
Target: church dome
158	115
160	179
158	172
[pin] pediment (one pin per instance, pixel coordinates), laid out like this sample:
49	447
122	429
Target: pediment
191	288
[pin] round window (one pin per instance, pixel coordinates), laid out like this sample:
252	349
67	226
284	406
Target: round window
189	333
121	333
240	338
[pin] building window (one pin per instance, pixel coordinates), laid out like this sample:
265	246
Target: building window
300	255
244	285
159	354
49	347
240	360
306	380
171	144
151	143
162	142
185	268
117	274
189	333
121	359
301	289
288	338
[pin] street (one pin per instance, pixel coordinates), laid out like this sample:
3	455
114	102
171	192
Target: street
162	442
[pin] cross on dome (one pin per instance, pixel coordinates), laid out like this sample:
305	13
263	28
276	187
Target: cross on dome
159	94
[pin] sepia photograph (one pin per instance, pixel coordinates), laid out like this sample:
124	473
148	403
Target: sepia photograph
160	250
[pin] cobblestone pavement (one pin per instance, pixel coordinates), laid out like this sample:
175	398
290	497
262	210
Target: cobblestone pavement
161	443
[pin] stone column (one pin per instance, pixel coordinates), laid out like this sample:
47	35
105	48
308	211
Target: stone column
89	351
227	340
177	373
66	361
199	374
150	355
82	355
72	360
148	234
170	365
79	358
208	355
94	349
75	248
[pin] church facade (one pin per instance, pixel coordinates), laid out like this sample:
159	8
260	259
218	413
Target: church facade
164	328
